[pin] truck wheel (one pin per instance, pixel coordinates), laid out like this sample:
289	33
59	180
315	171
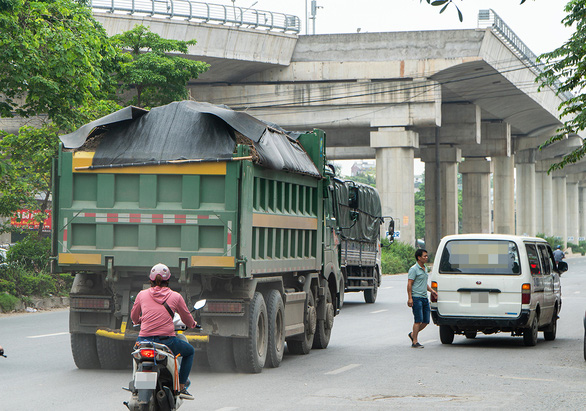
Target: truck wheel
323	329
220	354
276	314
304	346
370	295
530	334
250	353
341	299
114	354
446	334
85	354
550	332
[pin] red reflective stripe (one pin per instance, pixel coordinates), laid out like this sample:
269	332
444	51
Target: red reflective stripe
158	218
112	217
90	214
134	218
203	217
229	238
65	234
180	218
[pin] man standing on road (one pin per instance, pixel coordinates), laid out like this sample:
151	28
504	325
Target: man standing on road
558	255
417	289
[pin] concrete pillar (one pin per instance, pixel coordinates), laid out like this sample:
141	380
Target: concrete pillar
449	157
543	199
394	177
573	214
525	193
504	195
582	211
560	209
475	194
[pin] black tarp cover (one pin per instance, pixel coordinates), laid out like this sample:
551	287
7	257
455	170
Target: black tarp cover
367	228
188	130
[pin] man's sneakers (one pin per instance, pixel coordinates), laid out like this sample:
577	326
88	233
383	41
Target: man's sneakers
416	345
183	394
410	337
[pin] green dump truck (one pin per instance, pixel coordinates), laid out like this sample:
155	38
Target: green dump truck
245	215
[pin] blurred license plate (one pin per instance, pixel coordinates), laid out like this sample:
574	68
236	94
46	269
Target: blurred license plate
480	298
145	380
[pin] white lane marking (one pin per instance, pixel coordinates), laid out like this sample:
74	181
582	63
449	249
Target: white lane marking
343	369
227	409
576	292
379	311
510	377
46	335
386	288
428	341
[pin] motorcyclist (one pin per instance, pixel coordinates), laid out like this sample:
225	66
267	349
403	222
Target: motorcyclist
153	309
2	352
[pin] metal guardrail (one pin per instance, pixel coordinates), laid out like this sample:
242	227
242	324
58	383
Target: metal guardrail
203	12
489	19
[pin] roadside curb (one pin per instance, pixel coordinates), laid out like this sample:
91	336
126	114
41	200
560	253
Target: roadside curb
38	303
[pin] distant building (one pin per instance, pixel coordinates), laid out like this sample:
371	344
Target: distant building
361	167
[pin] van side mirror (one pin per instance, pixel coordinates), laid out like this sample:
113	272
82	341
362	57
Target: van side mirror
354	216
353	197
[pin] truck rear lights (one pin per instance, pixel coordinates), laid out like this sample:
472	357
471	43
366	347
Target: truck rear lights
90	303
526	293
224	307
433	297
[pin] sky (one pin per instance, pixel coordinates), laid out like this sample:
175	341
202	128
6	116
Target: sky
536	22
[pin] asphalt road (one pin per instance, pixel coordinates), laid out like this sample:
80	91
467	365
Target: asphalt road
368	365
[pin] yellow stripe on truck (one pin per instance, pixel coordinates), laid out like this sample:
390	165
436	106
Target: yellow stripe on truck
212	261
110	334
84	159
280	221
70	258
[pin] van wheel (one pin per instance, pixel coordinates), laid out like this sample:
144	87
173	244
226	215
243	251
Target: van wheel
470	334
549	333
530	334
446	334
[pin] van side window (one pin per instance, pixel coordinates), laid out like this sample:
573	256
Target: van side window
546	262
534	263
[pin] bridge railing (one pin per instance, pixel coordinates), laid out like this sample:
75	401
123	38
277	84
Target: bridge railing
203	12
489	19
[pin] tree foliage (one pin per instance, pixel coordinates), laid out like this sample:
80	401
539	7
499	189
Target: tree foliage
157	77
54	58
565	71
445	3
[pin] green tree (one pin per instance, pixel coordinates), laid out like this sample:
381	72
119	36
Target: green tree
157	77
445	3
366	177
26	178
565	71
420	211
54	58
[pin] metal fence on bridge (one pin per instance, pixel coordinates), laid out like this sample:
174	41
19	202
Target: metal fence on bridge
203	12
489	19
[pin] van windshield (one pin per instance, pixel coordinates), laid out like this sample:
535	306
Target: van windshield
499	257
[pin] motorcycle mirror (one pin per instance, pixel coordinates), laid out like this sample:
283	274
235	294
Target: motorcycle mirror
198	305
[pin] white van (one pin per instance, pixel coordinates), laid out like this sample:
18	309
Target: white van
491	282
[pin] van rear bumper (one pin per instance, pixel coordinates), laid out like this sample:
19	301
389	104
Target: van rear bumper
479	323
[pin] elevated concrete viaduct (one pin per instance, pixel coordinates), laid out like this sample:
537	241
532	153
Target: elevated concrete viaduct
463	101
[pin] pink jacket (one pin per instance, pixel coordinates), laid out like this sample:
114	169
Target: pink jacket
154	319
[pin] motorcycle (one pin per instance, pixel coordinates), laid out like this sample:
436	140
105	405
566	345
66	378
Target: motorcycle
2	352
155	373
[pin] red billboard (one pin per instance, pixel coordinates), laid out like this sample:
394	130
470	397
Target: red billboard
26	219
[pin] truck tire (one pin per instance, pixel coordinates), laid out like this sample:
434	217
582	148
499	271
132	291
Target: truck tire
250	353
530	334
446	334
304	346
220	354
114	354
323	329
370	295
85	354
341	299
276	314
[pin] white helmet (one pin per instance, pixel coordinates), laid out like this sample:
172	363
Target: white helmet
161	269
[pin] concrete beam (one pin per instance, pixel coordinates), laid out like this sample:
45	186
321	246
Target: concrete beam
460	125
394	137
350	153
